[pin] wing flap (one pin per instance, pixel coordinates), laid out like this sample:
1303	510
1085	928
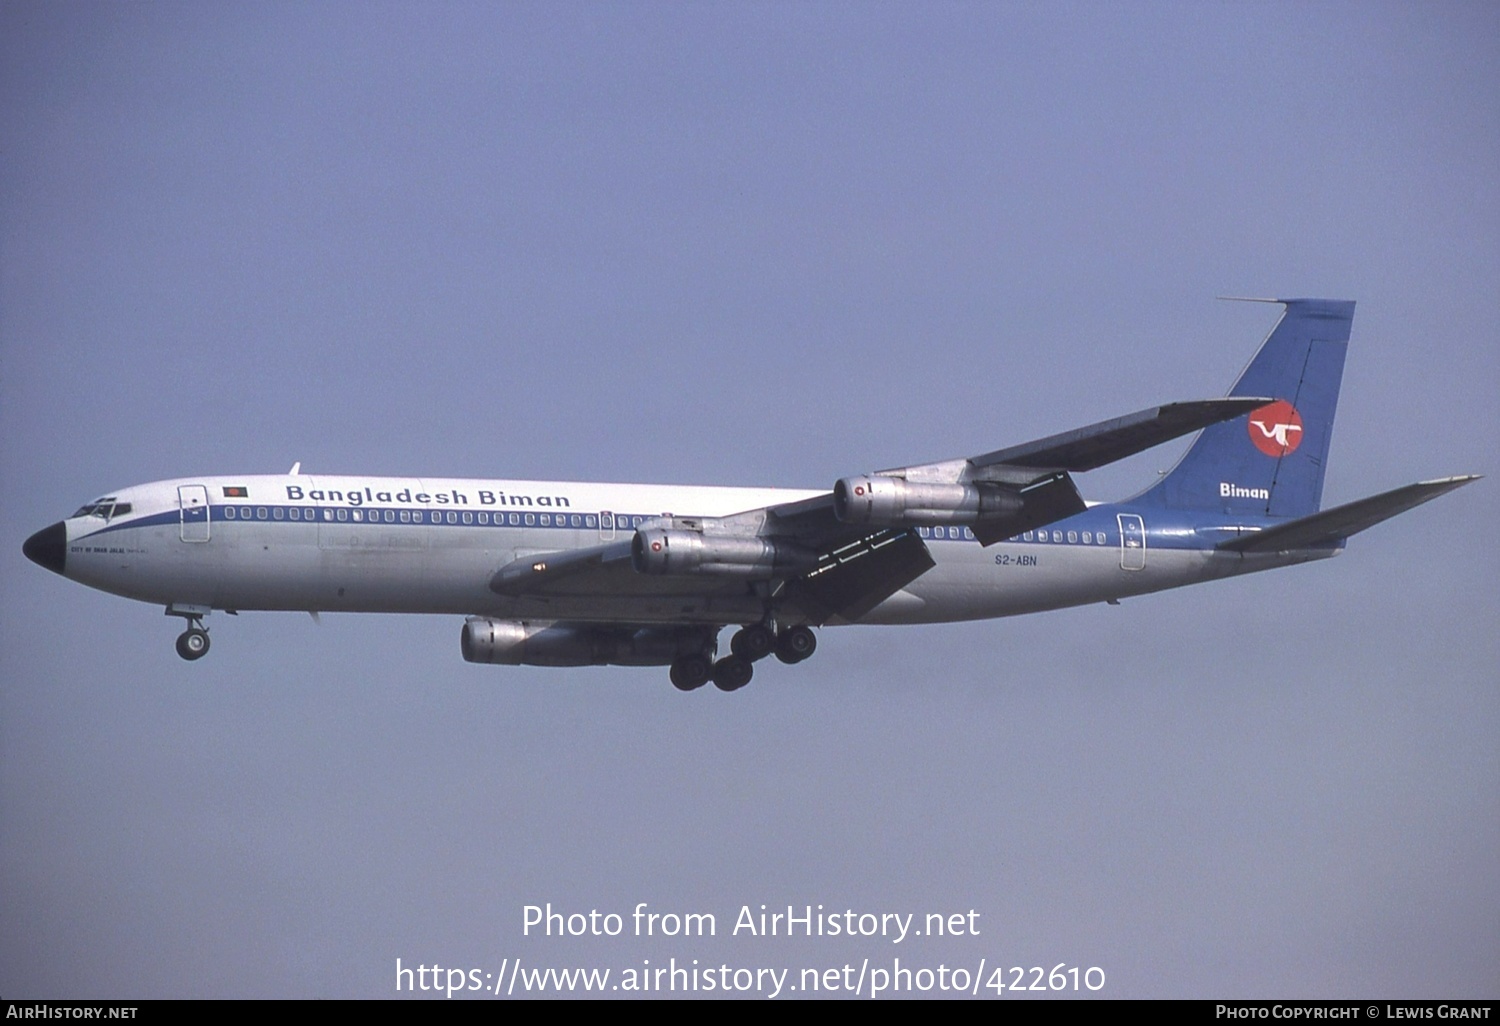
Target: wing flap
1043	502
854	579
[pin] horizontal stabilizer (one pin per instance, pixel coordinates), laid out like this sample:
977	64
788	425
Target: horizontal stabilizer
1089	447
1336	524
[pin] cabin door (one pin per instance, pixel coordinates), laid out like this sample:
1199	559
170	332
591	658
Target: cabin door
192	501
1132	542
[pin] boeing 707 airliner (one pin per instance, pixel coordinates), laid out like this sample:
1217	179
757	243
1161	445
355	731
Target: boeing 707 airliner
574	574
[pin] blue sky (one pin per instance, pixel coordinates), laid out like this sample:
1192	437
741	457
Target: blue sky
746	244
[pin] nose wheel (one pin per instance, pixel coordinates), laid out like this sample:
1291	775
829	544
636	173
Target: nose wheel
192	643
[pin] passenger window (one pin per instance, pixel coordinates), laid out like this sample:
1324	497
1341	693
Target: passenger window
530	519
358	516
590	520
546	520
278	512
468	517
1072	537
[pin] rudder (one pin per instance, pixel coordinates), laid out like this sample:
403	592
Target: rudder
1271	462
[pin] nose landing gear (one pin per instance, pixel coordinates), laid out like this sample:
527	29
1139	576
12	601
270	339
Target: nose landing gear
192	643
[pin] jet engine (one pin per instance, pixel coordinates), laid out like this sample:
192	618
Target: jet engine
894	502
658	551
515	643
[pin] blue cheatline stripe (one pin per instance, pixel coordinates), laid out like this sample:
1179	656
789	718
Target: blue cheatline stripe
233	513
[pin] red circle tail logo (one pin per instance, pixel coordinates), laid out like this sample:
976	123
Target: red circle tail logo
1276	429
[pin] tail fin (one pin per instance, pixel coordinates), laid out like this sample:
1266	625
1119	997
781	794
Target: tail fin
1271	462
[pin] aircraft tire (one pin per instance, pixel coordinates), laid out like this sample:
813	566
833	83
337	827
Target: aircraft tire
192	643
795	644
732	673
753	642
691	672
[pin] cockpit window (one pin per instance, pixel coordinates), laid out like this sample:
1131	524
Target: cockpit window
104	508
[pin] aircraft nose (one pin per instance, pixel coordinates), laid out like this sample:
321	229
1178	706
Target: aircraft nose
48	547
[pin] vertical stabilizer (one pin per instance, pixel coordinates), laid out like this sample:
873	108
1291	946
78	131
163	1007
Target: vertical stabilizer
1271	462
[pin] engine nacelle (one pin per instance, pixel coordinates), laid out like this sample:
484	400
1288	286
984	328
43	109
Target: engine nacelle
513	643
658	551
894	502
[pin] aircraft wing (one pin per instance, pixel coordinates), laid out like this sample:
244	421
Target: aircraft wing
846	581
1332	526
838	563
1089	448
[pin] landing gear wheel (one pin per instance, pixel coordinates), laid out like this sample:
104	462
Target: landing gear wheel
192	643
753	642
691	672
732	673
795	644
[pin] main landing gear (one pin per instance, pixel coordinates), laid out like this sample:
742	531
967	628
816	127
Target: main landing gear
749	645
192	643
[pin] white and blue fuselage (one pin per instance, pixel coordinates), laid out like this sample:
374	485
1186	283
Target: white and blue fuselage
571	573
425	545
